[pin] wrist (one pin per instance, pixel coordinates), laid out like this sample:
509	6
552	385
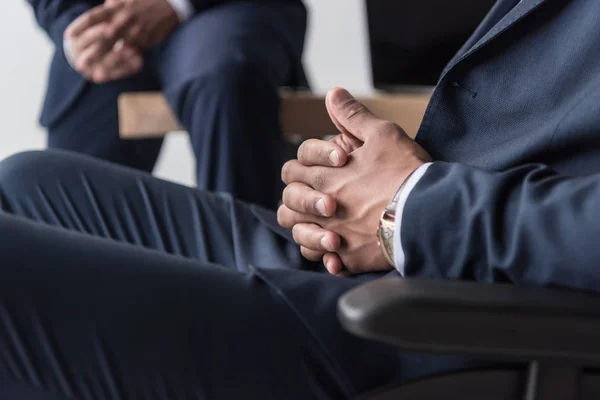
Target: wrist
387	224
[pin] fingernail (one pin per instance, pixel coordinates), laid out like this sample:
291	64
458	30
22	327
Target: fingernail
341	96
334	157
321	207
325	244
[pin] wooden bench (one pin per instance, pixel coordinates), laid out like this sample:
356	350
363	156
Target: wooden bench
303	115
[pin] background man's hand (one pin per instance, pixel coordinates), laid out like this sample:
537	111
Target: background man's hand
337	190
106	43
141	23
97	54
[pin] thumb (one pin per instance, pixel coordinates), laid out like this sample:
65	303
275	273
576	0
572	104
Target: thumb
349	115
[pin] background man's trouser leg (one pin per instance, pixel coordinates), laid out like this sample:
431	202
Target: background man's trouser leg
221	73
91	125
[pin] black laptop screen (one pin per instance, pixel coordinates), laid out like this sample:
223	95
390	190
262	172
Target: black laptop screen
412	40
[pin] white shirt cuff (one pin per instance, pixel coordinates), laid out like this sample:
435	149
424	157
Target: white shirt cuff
68	52
183	8
409	185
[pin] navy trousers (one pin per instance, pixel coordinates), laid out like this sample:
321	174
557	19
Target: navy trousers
117	285
220	72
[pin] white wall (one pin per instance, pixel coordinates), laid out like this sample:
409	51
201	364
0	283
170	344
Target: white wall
336	55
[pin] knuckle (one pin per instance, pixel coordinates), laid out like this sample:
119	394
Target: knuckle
110	35
336	192
354	109
320	181
305	205
337	140
387	130
128	17
135	32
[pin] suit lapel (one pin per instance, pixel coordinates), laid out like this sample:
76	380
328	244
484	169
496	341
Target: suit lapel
504	22
496	13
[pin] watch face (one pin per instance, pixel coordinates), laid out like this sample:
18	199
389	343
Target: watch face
386	239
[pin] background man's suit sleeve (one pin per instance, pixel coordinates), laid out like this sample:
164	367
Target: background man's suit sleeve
527	225
53	16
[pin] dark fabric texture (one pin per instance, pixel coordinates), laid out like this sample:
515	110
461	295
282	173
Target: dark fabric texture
116	285
520	111
221	72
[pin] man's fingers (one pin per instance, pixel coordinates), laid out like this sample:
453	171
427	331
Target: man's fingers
321	152
98	14
304	199
123	62
99	74
293	171
313	237
333	263
332	116
115	58
351	116
315	176
89	56
117	64
288	218
95	34
347	142
133	33
119	25
312	255
130	67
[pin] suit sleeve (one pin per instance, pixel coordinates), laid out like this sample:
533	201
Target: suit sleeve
528	225
53	16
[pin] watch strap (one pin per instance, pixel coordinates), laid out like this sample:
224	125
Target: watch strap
387	224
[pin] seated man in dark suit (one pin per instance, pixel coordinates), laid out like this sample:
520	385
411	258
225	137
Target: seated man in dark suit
117	285
219	63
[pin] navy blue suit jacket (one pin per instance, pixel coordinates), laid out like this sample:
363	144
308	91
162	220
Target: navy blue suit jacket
514	124
514	129
64	83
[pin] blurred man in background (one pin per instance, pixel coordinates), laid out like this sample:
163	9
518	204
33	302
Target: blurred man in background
219	64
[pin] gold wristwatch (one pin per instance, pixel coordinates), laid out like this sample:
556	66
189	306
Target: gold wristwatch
387	224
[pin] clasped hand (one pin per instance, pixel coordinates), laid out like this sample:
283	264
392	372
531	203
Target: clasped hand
107	42
337	190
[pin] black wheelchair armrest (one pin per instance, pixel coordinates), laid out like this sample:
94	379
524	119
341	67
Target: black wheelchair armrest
477	319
